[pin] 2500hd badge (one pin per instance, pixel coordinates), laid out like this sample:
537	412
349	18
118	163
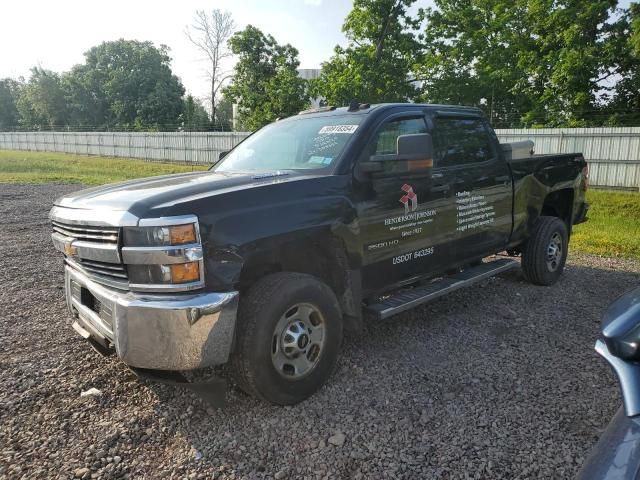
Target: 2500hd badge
265	259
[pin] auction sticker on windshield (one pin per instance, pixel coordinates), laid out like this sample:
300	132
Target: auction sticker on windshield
338	129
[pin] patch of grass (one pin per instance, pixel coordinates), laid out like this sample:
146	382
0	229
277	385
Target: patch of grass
44	167
613	228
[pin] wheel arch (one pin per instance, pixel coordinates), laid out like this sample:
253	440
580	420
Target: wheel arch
559	203
319	253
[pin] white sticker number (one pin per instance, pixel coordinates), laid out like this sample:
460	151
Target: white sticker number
338	129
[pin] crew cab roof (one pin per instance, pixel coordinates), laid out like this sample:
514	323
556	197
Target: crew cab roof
381	107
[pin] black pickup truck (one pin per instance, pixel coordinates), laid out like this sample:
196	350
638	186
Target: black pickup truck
313	224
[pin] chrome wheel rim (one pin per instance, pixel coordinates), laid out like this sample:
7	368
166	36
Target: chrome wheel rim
298	341
554	252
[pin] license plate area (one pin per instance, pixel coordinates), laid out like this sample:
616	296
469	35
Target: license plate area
87	299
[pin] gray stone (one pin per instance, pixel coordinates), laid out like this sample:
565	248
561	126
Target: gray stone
337	439
81	472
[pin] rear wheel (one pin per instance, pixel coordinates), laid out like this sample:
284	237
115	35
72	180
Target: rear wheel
289	333
545	253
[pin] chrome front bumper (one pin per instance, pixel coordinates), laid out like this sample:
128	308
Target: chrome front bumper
154	331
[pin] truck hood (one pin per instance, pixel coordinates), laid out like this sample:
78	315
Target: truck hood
163	191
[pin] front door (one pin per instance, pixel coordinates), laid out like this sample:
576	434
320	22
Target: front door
399	212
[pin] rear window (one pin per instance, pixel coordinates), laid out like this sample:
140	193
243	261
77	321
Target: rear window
459	141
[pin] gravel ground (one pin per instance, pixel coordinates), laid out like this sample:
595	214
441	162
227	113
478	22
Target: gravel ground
496	381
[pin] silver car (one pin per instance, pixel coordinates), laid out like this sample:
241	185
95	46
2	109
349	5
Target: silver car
617	453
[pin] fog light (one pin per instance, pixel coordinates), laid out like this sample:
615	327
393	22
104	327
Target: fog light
185	272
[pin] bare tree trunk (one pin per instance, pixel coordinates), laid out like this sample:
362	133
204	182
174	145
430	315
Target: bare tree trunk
210	33
213	100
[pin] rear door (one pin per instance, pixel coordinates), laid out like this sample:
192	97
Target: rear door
467	157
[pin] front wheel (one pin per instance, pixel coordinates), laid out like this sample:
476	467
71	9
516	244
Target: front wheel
289	333
545	253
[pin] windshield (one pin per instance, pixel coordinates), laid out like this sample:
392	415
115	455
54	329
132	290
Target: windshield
300	144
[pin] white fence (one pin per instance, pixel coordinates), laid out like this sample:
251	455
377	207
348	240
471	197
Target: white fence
178	147
613	153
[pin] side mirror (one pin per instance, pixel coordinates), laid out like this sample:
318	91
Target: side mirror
416	146
621	326
621	347
413	152
221	155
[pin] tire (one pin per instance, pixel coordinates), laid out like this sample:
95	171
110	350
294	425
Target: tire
542	263
288	336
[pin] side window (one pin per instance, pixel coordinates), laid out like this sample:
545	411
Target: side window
460	141
387	136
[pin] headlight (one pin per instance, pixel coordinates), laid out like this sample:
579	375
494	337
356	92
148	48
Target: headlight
160	236
164	254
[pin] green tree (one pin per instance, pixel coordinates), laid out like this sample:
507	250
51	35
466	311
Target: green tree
224	114
633	19
9	91
379	61
194	116
570	62
526	62
41	102
621	105
265	83
126	84
87	103
472	56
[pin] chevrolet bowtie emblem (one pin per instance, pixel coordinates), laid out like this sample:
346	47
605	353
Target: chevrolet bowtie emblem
70	250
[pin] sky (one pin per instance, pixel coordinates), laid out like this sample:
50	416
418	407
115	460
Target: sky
55	34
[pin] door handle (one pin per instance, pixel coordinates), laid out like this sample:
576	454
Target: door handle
437	175
503	178
441	187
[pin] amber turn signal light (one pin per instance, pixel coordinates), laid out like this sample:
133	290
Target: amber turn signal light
180	234
185	272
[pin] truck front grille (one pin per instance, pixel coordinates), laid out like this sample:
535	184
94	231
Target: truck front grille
96	253
109	274
103	268
87	233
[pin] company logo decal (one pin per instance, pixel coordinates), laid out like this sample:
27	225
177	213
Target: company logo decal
409	199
